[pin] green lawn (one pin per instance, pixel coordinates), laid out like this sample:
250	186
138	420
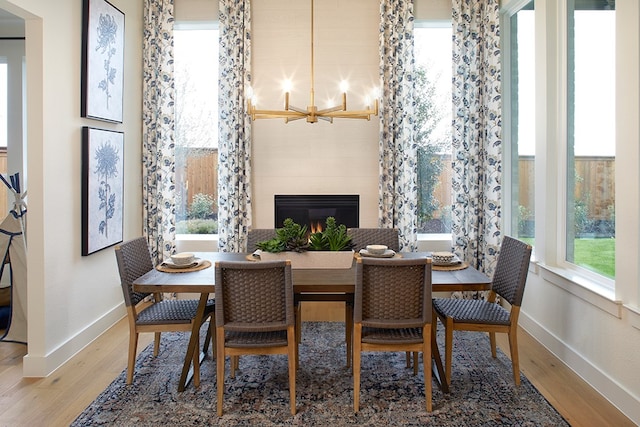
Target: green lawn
595	254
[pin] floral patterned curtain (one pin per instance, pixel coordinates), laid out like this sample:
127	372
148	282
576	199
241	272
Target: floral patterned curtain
234	145
158	160
398	152
477	132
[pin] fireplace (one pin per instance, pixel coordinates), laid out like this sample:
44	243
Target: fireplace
313	210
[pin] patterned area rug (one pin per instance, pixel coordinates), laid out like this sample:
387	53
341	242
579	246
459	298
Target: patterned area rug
482	389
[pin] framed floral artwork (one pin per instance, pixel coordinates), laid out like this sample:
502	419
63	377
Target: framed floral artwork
102	61
102	189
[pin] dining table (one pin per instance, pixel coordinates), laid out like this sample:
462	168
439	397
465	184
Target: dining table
317	283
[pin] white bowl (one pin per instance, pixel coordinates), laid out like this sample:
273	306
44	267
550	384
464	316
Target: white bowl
183	258
442	256
376	249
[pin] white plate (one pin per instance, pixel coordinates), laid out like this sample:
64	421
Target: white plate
170	264
389	253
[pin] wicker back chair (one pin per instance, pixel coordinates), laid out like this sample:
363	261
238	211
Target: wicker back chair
487	316
255	315
392	312
259	235
361	237
134	260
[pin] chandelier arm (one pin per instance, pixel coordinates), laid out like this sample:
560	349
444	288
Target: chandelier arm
276	114
298	110
330	110
293	119
364	114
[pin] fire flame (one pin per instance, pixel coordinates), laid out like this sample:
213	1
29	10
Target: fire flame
315	226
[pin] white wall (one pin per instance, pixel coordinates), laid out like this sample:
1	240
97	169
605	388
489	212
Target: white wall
72	299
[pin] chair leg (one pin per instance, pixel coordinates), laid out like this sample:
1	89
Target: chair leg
220	367
156	344
292	346
415	363
492	341
513	347
357	349
426	366
133	349
448	348
408	357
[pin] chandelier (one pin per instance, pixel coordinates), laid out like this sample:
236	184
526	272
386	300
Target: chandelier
312	113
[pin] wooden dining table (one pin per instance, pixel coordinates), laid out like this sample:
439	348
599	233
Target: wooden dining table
310	282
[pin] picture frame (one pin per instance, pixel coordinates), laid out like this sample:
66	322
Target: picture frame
102	189
102	73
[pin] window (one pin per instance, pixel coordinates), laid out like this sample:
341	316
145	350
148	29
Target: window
433	49
590	181
196	82
520	129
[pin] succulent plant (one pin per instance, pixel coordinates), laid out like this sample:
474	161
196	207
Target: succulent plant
333	238
294	237
291	237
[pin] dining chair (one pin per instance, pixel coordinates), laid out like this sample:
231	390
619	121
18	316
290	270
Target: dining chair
361	237
259	235
158	315
254	315
508	282
392	312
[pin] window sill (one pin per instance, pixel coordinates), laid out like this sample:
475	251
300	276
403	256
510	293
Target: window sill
196	243
590	291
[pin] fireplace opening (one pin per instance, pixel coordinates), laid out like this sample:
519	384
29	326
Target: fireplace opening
313	210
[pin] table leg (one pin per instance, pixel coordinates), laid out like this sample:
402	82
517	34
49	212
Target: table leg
349	331
187	371
437	367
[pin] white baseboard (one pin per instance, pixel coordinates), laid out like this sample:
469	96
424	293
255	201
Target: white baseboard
42	366
622	399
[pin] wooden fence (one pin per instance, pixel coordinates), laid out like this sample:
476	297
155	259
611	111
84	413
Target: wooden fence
594	184
201	175
595	180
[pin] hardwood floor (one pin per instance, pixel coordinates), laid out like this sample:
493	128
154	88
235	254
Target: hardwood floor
57	399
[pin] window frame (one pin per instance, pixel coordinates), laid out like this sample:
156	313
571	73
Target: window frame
548	259
436	238
509	156
196	25
594	280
